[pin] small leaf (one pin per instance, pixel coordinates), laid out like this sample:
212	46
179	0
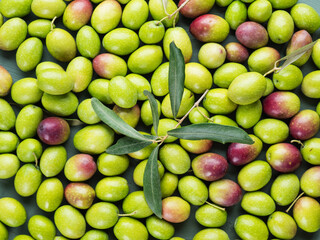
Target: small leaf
216	132
151	184
154	110
176	77
127	145
110	118
165	5
294	56
74	122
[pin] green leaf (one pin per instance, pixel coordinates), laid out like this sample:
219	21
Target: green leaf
110	118
176	77
151	184
216	132
154	110
294	56
73	122
127	145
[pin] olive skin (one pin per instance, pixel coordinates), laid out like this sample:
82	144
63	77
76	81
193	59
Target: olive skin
252	35
209	28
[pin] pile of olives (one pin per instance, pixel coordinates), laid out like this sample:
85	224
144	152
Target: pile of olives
58	182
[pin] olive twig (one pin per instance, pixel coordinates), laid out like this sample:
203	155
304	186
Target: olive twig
297	198
160	140
185	116
194	105
176	11
163	139
272	70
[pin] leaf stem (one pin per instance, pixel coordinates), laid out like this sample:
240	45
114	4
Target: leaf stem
175	12
74	122
292	204
215	206
196	104
163	139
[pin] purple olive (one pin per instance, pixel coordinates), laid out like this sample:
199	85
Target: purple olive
225	192
195	8
53	130
240	154
298	40
281	105
284	157
79	195
236	52
80	167
252	35
304	125
209	166
209	28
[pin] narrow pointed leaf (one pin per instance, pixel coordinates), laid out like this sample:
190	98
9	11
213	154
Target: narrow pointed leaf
127	145
151	184
294	56
110	118
211	131
154	110
74	122
176	77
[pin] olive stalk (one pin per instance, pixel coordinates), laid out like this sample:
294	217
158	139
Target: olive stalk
52	23
215	206
292	204
165	4
196	104
210	120
35	159
272	70
175	12
297	141
127	214
291	58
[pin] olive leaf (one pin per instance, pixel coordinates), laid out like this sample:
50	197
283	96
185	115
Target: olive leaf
294	56
176	77
74	122
127	145
151	184
110	118
154	110
216	132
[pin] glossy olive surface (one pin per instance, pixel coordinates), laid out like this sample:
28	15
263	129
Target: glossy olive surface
190	227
